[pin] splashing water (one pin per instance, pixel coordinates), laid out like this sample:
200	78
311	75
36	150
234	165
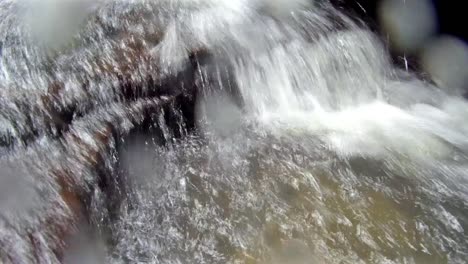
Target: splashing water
310	147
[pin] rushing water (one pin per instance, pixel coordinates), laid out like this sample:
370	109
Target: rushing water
310	147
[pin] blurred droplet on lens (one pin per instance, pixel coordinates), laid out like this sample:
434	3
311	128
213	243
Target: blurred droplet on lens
55	22
295	252
281	7
84	247
446	60
17	194
409	23
221	113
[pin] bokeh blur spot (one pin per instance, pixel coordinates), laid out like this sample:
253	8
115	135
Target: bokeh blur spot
409	23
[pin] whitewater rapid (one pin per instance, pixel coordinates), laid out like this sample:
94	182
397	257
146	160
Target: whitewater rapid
308	144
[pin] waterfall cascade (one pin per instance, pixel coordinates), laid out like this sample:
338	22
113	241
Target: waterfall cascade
233	131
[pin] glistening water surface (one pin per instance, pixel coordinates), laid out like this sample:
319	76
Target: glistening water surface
310	147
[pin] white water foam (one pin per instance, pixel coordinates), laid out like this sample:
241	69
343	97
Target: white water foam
332	152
